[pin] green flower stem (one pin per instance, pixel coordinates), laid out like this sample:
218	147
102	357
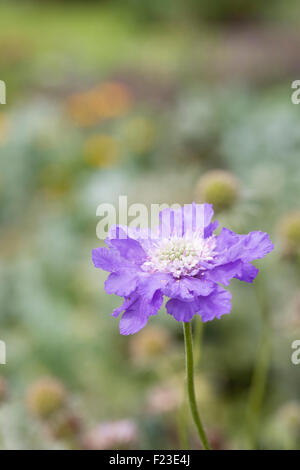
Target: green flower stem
190	383
261	367
182	426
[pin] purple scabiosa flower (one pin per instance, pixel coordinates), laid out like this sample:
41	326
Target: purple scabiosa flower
182	260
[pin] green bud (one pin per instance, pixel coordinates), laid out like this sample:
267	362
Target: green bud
289	227
45	397
218	187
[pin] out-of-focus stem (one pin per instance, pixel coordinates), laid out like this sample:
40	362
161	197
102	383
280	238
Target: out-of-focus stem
182	426
190	384
260	372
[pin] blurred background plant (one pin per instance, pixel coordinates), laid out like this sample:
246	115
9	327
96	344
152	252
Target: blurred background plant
164	102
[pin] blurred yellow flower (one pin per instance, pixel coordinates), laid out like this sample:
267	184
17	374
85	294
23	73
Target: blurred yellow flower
107	100
46	396
101	150
289	227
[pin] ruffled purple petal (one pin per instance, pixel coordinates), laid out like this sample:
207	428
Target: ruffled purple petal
137	314
143	236
123	253
198	286
108	260
215	305
133	320
180	310
208	231
231	246
129	249
150	283
248	273
209	307
178	289
256	245
228	247
122	282
127	302
225	272
187	288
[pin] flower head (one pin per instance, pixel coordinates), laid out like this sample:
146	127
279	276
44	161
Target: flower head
183	260
46	396
289	227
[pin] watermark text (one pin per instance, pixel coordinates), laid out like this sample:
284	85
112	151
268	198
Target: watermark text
2	352
295	357
2	92
158	220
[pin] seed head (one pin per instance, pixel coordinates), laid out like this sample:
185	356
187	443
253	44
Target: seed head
218	187
289	227
46	396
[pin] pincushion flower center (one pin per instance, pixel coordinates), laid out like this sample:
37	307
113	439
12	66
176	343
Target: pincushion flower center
179	256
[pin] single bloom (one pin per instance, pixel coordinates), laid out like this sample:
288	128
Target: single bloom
182	260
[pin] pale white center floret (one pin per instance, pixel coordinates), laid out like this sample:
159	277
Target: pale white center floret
180	256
